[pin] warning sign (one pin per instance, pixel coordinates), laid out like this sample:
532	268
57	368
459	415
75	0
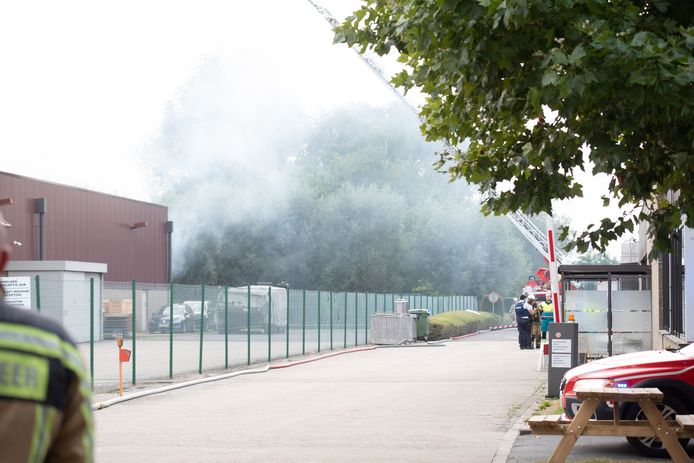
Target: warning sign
17	291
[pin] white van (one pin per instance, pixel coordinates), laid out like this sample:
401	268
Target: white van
238	314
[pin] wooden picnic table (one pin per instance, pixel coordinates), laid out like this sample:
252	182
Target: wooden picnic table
654	426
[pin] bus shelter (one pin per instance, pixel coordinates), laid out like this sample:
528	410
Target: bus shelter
612	306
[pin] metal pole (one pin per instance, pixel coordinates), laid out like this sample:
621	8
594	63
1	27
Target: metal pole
226	327
168	228
91	331
38	293
134	328
303	323
331	320
248	326
366	318
345	322
171	299
609	314
202	325
287	327
269	324
356	318
319	320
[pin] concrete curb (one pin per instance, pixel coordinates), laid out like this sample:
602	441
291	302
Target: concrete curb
504	449
320	357
159	390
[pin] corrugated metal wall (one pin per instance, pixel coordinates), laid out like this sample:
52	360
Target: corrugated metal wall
84	225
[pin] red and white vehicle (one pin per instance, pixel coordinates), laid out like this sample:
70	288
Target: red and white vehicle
671	372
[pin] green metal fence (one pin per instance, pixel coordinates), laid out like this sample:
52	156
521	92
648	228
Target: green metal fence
178	330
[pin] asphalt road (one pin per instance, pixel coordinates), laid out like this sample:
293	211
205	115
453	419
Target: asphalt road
456	402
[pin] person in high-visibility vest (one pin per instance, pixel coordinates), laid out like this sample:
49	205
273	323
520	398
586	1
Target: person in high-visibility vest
547	315
45	394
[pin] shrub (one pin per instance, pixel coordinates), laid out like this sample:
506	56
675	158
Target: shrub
450	324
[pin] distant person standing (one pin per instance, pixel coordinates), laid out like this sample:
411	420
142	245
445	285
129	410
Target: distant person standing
45	409
535	331
547	315
523	322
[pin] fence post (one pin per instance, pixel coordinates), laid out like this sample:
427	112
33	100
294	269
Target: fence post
91	331
134	328
356	319
38	293
366	318
248	325
287	327
202	325
331	320
171	299
226	326
269	324
319	320
303	323
345	322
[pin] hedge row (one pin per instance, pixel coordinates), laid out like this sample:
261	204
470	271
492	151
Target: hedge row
449	324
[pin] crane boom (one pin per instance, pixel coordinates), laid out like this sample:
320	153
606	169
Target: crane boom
522	222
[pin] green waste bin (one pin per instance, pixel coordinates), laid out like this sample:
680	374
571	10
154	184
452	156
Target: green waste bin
422	322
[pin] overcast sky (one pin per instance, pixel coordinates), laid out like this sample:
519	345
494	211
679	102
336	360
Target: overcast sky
85	85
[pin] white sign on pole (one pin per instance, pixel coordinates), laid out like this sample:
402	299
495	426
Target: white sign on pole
17	291
561	361
493	297
561	346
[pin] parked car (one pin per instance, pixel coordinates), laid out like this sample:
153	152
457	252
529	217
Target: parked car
671	372
209	312
184	319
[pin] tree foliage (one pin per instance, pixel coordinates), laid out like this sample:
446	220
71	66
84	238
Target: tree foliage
531	84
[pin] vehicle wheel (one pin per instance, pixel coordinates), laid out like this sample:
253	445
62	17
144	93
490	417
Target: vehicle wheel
651	446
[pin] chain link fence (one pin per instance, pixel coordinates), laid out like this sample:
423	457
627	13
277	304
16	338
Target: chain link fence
180	330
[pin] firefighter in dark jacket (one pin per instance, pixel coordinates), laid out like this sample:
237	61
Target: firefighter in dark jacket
523	322
45	398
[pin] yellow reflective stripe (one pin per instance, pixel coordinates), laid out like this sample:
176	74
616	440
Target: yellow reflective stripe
31	340
41	435
44	343
51	413
88	434
37	434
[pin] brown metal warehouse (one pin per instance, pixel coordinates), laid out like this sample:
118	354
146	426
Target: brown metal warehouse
58	222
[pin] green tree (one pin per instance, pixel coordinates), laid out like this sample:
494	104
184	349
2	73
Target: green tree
616	76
